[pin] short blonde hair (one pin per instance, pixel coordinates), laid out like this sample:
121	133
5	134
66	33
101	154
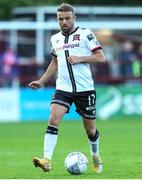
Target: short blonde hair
64	7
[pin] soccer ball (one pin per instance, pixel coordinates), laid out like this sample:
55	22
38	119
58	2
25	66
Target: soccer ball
76	163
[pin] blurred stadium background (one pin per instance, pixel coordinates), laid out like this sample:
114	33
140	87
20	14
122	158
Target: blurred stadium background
25	54
25	31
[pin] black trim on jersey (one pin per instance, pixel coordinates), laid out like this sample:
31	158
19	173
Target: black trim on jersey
71	32
53	55
70	67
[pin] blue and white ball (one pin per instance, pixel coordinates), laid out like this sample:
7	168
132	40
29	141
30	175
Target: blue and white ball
76	163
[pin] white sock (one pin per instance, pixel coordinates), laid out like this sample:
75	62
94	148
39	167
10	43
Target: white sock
50	141
94	147
94	143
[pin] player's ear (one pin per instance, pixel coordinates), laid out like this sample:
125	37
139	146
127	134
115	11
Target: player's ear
57	15
74	17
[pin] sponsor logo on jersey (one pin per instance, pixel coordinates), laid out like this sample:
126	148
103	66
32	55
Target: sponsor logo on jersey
67	46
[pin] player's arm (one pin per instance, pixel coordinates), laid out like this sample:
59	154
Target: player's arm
51	70
97	56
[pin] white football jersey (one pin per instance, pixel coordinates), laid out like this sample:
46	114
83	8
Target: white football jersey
76	77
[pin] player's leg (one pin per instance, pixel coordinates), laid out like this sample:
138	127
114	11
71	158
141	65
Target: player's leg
59	106
86	106
51	135
93	135
93	138
56	114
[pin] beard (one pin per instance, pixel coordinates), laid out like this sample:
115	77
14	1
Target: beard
67	30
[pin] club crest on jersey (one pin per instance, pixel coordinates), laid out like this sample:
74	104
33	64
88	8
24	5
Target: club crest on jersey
90	37
76	37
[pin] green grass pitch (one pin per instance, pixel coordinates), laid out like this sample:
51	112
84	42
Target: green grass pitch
120	149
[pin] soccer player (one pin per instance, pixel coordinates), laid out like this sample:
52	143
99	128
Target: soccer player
73	50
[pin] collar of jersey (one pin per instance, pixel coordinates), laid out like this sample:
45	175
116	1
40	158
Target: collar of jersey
71	32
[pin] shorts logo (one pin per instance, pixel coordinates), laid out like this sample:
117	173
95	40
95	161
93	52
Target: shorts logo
91	99
90	37
91	102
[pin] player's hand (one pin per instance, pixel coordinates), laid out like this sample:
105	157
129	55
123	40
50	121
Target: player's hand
74	59
35	85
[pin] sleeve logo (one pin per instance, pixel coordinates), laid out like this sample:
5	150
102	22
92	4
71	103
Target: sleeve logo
90	37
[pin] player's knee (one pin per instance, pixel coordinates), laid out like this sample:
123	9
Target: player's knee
54	119
90	131
93	136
